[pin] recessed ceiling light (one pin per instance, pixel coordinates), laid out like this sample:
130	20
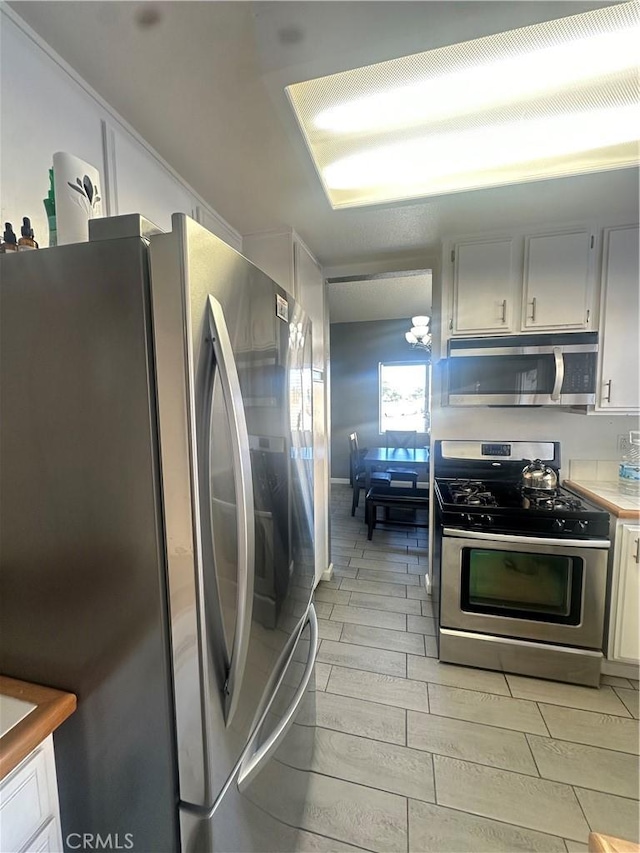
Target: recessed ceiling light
542	101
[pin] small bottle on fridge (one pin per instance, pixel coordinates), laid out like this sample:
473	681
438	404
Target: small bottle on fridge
9	240
26	240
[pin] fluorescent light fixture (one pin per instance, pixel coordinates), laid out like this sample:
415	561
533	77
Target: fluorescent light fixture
483	86
543	101
404	163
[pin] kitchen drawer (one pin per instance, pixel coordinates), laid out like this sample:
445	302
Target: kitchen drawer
29	803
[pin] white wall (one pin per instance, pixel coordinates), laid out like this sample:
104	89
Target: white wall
46	107
580	436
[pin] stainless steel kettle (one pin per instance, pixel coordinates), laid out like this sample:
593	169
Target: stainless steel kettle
537	475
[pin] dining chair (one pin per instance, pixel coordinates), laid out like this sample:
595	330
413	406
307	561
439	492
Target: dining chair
406	440
401	438
358	473
362	452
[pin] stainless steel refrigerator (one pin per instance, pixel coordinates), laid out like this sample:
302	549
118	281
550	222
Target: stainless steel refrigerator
156	524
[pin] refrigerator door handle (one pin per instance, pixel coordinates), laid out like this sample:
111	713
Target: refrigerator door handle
223	352
256	759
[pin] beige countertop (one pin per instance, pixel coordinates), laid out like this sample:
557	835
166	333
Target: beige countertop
28	715
606	494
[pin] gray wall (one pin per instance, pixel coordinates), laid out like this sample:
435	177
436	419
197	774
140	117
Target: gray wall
356	351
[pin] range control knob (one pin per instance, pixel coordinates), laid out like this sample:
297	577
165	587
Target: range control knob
486	520
559	524
581	526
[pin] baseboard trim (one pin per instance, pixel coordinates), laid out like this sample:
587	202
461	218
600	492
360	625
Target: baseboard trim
340	481
327	575
622	670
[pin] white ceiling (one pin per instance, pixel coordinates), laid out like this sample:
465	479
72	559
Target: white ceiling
205	86
387	296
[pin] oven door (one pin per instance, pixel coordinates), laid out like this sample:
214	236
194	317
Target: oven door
551	590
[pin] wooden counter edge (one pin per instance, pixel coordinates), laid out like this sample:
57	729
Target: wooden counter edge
609	844
53	708
614	509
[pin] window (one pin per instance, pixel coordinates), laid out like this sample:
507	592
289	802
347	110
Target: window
404	397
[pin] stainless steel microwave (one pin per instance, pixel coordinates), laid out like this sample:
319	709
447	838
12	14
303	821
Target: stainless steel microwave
523	370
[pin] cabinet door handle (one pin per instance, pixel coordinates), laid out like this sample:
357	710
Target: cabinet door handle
636	556
533	310
451	323
504	311
606	397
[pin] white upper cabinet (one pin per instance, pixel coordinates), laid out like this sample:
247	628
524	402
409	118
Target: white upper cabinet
619	375
558	281
483	287
519	283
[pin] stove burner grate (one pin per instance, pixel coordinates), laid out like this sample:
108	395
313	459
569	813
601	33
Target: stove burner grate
475	493
553	502
471	493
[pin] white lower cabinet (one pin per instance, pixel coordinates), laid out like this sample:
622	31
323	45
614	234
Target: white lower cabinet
624	638
47	841
29	810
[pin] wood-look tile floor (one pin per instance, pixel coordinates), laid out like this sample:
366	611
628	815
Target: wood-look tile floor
416	756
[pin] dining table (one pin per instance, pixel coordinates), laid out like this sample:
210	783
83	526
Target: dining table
379	458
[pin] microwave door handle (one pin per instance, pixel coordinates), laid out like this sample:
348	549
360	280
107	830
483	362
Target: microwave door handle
559	364
245	511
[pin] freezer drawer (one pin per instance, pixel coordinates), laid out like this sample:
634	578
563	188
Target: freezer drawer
263	804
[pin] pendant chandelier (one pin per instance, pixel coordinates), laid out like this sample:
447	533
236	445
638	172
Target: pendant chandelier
419	335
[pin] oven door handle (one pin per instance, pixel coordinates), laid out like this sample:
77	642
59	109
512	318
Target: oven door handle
524	540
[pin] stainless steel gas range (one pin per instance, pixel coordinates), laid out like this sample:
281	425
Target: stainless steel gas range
521	572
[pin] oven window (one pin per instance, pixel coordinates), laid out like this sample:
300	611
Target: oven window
524	585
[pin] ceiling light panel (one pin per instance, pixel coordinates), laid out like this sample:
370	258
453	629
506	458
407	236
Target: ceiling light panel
552	99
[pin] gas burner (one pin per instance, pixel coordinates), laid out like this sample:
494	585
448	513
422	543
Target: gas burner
552	502
467	487
471	493
481	499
